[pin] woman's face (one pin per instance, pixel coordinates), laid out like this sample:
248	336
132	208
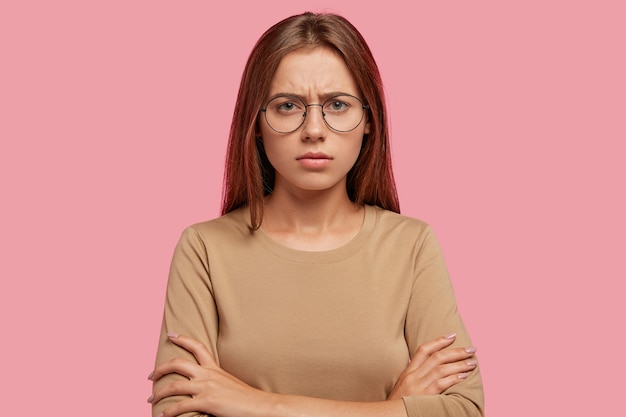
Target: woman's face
314	157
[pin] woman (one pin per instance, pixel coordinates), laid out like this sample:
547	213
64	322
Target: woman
311	295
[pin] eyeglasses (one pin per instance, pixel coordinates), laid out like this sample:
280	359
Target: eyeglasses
342	113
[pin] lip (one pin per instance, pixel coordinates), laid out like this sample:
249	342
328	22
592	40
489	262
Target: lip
314	160
313	155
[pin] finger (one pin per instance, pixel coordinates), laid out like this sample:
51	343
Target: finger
424	351
455	368
198	349
177	365
174	388
430	368
182	407
450	369
450	355
442	384
442	357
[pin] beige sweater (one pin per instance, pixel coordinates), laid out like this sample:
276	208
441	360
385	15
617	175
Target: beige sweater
338	324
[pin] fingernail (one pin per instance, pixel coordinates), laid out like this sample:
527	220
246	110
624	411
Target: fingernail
172	335
450	336
150	398
463	375
161	415
471	362
151	375
470	349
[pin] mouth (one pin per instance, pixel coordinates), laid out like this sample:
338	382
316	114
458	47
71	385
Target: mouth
313	155
314	160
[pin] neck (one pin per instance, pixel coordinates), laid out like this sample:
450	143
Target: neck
311	220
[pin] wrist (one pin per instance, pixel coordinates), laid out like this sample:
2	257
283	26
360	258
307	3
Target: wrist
275	405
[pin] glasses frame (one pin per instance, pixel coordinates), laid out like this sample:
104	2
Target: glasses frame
364	107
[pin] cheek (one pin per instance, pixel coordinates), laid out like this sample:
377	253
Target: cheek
275	150
265	139
355	150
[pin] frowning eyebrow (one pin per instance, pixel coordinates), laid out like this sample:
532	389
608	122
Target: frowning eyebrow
322	97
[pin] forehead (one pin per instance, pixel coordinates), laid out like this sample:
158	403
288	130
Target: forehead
313	73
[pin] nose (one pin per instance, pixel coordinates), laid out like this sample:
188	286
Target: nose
314	125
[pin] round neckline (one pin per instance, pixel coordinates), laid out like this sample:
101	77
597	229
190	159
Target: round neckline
326	256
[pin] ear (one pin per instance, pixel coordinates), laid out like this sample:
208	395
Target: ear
367	127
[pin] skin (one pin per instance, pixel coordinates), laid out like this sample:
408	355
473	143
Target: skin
214	391
309	209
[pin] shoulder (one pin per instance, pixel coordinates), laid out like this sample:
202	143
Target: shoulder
403	231
391	221
228	227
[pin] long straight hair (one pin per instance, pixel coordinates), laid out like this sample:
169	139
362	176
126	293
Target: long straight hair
248	174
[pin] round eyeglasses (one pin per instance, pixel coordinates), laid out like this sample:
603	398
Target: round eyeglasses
341	113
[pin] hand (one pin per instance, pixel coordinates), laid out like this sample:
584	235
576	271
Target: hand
212	390
433	369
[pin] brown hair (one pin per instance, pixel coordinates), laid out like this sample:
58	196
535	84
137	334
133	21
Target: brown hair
248	174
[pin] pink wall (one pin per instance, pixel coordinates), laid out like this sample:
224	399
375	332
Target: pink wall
508	125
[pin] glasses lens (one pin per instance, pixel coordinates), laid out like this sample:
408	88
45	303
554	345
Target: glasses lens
286	114
343	113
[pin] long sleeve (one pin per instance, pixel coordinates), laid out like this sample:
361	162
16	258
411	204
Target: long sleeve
189	308
432	312
336	324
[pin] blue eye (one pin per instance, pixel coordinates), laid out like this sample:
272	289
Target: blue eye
286	106
336	106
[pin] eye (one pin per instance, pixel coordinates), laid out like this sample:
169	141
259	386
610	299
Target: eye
286	105
336	106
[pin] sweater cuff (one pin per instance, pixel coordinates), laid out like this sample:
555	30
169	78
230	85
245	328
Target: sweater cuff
422	406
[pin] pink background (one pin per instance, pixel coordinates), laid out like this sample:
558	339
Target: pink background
508	124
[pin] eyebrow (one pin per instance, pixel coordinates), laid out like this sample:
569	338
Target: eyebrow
323	97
